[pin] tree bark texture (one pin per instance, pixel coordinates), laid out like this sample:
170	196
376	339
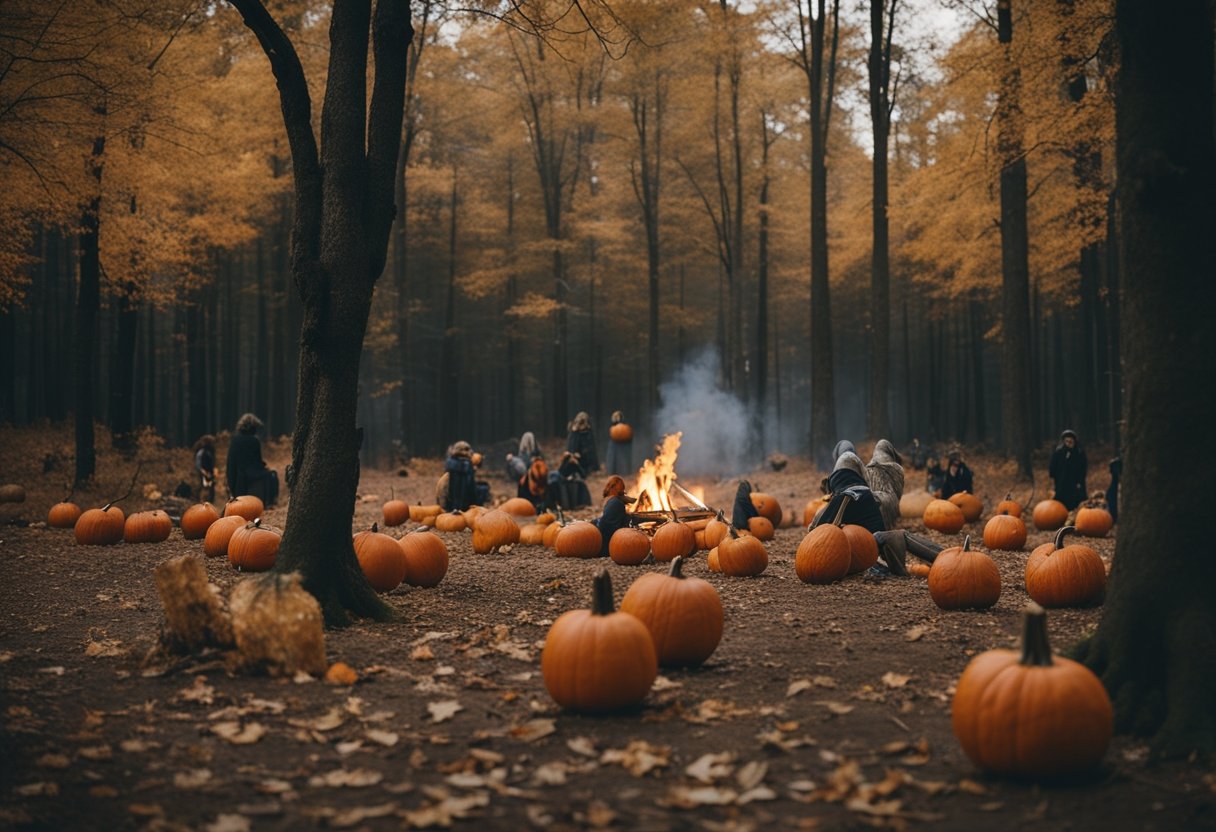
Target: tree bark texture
122	368
88	303
882	20
1155	647
344	214
1015	267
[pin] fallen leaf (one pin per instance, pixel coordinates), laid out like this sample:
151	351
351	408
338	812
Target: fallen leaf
448	809
96	752
550	774
682	797
710	767
37	790
443	711
386	738
53	761
229	823
915	633
533	730
358	778
798	686
751	775
838	708
824	682
896	747
237	734
757	794
422	653
894	680
638	758
971	787
353	817
328	721
105	647
340	673
583	746
192	779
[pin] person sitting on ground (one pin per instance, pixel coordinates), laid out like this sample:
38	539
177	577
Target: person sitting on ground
850	494
614	517
462	485
518	462
572	489
744	509
1067	470
204	466
581	443
885	476
246	471
958	476
534	484
935	475
917	454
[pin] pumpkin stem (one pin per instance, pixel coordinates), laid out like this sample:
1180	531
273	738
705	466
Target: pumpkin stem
1036	649
677	567
1060	535
844	504
733	534
375	527
601	595
561	516
967	543
130	487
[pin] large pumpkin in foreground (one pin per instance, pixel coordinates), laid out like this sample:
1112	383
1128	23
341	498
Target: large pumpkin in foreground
1032	715
824	555
598	660
101	526
493	530
684	615
381	559
426	558
253	547
741	556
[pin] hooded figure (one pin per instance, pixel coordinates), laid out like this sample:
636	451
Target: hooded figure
885	476
844	446
581	442
614	517
958	476
1067	469
744	509
246	471
461	486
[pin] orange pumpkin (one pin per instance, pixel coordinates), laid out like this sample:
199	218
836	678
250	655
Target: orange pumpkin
452	521
579	540
1049	515
381	559
551	532
247	506
919	570
396	512
963	579
944	516
252	547
711	560
598	660
545	518
519	507
620	432
673	539
63	515
913	504
1093	520
628	547
493	530
426	558
197	519
1032	714
419	512
1009	506
147	527
768	507
761	527
742	556
100	526
863	548
219	534
971	505
715	530
684	615
1065	576
531	534
824	555
1004	531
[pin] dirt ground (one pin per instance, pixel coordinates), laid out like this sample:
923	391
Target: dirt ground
824	707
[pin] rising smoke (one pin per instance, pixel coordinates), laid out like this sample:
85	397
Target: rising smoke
718	428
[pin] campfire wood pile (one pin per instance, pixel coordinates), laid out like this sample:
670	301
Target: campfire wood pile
658	491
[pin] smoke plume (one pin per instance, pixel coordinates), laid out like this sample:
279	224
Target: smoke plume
717	428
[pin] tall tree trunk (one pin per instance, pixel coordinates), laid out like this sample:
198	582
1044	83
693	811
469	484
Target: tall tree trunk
761	416
976	337
122	368
88	303
1155	647
882	22
449	373
196	367
1015	267
344	215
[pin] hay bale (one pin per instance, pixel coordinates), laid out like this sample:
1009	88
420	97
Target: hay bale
195	617
278	626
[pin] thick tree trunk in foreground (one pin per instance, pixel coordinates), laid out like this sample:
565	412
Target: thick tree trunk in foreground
1015	267
344	214
1155	648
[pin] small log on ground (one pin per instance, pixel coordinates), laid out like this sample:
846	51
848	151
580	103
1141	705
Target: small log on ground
278	626
195	617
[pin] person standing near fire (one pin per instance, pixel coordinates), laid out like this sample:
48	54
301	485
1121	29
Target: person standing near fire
581	444
620	445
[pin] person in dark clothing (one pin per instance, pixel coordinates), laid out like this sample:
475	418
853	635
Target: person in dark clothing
744	509
935	475
534	484
1112	493
614	518
917	455
620	445
581	442
204	466
1067	469
246	472
571	487
958	476
850	494
462	483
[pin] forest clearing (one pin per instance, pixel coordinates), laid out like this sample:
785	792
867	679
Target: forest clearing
824	707
602	414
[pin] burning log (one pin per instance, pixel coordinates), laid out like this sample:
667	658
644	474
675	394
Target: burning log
655	487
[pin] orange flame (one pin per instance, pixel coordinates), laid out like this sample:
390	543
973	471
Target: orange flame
656	477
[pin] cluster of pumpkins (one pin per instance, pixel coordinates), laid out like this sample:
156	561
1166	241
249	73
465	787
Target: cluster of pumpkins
599	659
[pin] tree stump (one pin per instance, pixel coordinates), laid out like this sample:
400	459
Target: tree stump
195	617
278	626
